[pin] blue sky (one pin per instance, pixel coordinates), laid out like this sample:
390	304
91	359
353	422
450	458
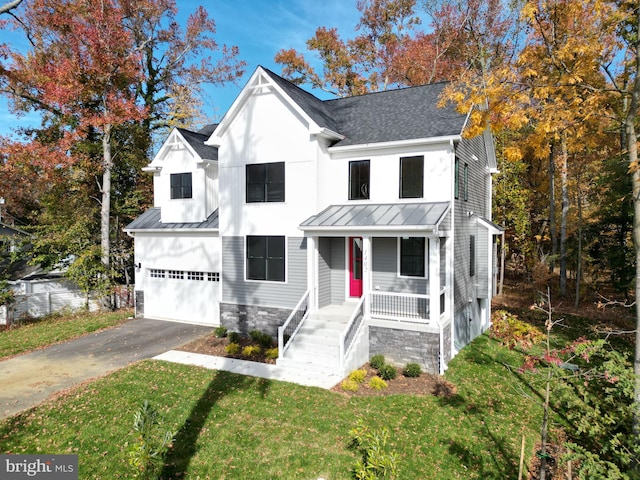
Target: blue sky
260	28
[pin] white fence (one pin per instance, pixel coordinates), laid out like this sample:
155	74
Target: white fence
35	305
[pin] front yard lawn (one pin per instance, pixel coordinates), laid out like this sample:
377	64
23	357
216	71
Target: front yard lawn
236	427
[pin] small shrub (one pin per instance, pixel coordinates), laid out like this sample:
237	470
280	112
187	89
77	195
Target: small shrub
255	335
412	370
234	337
350	385
262	339
266	341
387	372
233	348
377	383
271	353
358	376
444	388
220	332
377	361
251	350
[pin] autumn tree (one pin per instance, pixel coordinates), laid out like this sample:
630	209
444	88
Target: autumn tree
366	63
104	81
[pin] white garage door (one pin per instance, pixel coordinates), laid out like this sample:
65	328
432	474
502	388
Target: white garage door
184	296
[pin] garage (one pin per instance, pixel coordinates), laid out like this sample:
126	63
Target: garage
185	296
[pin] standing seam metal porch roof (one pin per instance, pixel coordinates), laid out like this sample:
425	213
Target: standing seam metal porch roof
387	215
150	220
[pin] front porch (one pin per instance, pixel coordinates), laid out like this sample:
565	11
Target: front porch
406	318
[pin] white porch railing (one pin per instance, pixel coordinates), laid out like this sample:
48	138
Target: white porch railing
289	329
351	330
403	307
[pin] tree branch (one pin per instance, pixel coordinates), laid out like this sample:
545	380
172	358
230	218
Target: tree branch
9	6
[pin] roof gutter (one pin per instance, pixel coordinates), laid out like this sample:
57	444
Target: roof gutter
429	229
129	231
395	144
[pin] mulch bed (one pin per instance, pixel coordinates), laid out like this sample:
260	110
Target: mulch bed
425	384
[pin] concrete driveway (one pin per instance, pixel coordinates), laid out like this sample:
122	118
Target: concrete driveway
27	380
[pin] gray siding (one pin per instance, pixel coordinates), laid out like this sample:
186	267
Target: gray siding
467	320
338	270
324	272
385	269
237	290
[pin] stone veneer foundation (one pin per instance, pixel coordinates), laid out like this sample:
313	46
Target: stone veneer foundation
244	318
406	346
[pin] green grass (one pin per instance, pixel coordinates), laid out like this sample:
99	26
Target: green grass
40	333
237	427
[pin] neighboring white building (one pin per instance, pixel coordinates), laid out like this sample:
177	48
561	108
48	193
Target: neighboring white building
347	227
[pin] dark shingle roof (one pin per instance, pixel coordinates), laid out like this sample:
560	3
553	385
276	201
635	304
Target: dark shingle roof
393	115
150	220
208	129
196	140
386	116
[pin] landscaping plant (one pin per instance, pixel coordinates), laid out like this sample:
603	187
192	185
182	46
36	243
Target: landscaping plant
378	461
377	361
412	370
151	442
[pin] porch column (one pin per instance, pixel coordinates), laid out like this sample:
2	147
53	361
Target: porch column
367	261
312	259
434	278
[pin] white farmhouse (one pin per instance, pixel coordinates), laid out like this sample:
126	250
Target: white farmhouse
345	227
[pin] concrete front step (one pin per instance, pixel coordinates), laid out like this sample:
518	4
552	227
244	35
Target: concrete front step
316	345
317	366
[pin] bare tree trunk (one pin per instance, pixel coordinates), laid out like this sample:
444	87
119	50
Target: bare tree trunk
552	207
579	259
105	210
632	146
565	213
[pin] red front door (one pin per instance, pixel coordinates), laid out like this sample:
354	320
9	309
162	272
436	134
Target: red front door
355	266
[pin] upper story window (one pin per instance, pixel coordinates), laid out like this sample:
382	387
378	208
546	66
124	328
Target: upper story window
411	177
265	182
265	258
412	256
181	185
359	172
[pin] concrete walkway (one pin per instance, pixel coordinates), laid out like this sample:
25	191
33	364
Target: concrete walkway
254	369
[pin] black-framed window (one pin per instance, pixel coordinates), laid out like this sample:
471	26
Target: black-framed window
359	173
472	255
465	187
181	185
411	177
412	256
265	258
265	182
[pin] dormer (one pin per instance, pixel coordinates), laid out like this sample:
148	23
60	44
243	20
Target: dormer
185	177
